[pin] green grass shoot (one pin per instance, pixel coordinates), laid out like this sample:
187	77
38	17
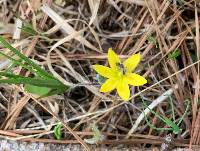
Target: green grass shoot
171	124
27	28
46	83
174	54
57	131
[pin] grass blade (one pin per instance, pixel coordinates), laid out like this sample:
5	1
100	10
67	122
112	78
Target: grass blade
41	72
34	81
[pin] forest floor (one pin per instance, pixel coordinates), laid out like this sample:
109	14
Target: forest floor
64	39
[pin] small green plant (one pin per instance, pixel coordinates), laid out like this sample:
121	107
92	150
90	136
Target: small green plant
152	40
174	54
42	83
27	28
96	136
171	124
57	131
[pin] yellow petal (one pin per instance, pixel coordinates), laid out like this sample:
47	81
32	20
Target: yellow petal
113	59
109	85
104	71
123	90
135	79
131	63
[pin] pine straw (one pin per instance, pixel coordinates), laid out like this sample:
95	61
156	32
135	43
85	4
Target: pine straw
80	33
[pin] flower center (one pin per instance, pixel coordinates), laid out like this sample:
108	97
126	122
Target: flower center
121	68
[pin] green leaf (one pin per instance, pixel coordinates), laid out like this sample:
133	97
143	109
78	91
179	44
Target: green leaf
39	86
18	62
56	91
9	75
173	126
41	91
34	81
44	84
57	131
37	68
174	54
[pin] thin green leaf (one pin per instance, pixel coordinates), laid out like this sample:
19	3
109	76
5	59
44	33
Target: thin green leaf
152	111
172	106
152	126
185	113
57	131
40	71
27	28
50	83
173	126
10	75
45	84
174	54
19	63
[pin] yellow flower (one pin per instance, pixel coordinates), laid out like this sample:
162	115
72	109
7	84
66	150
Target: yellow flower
120	74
